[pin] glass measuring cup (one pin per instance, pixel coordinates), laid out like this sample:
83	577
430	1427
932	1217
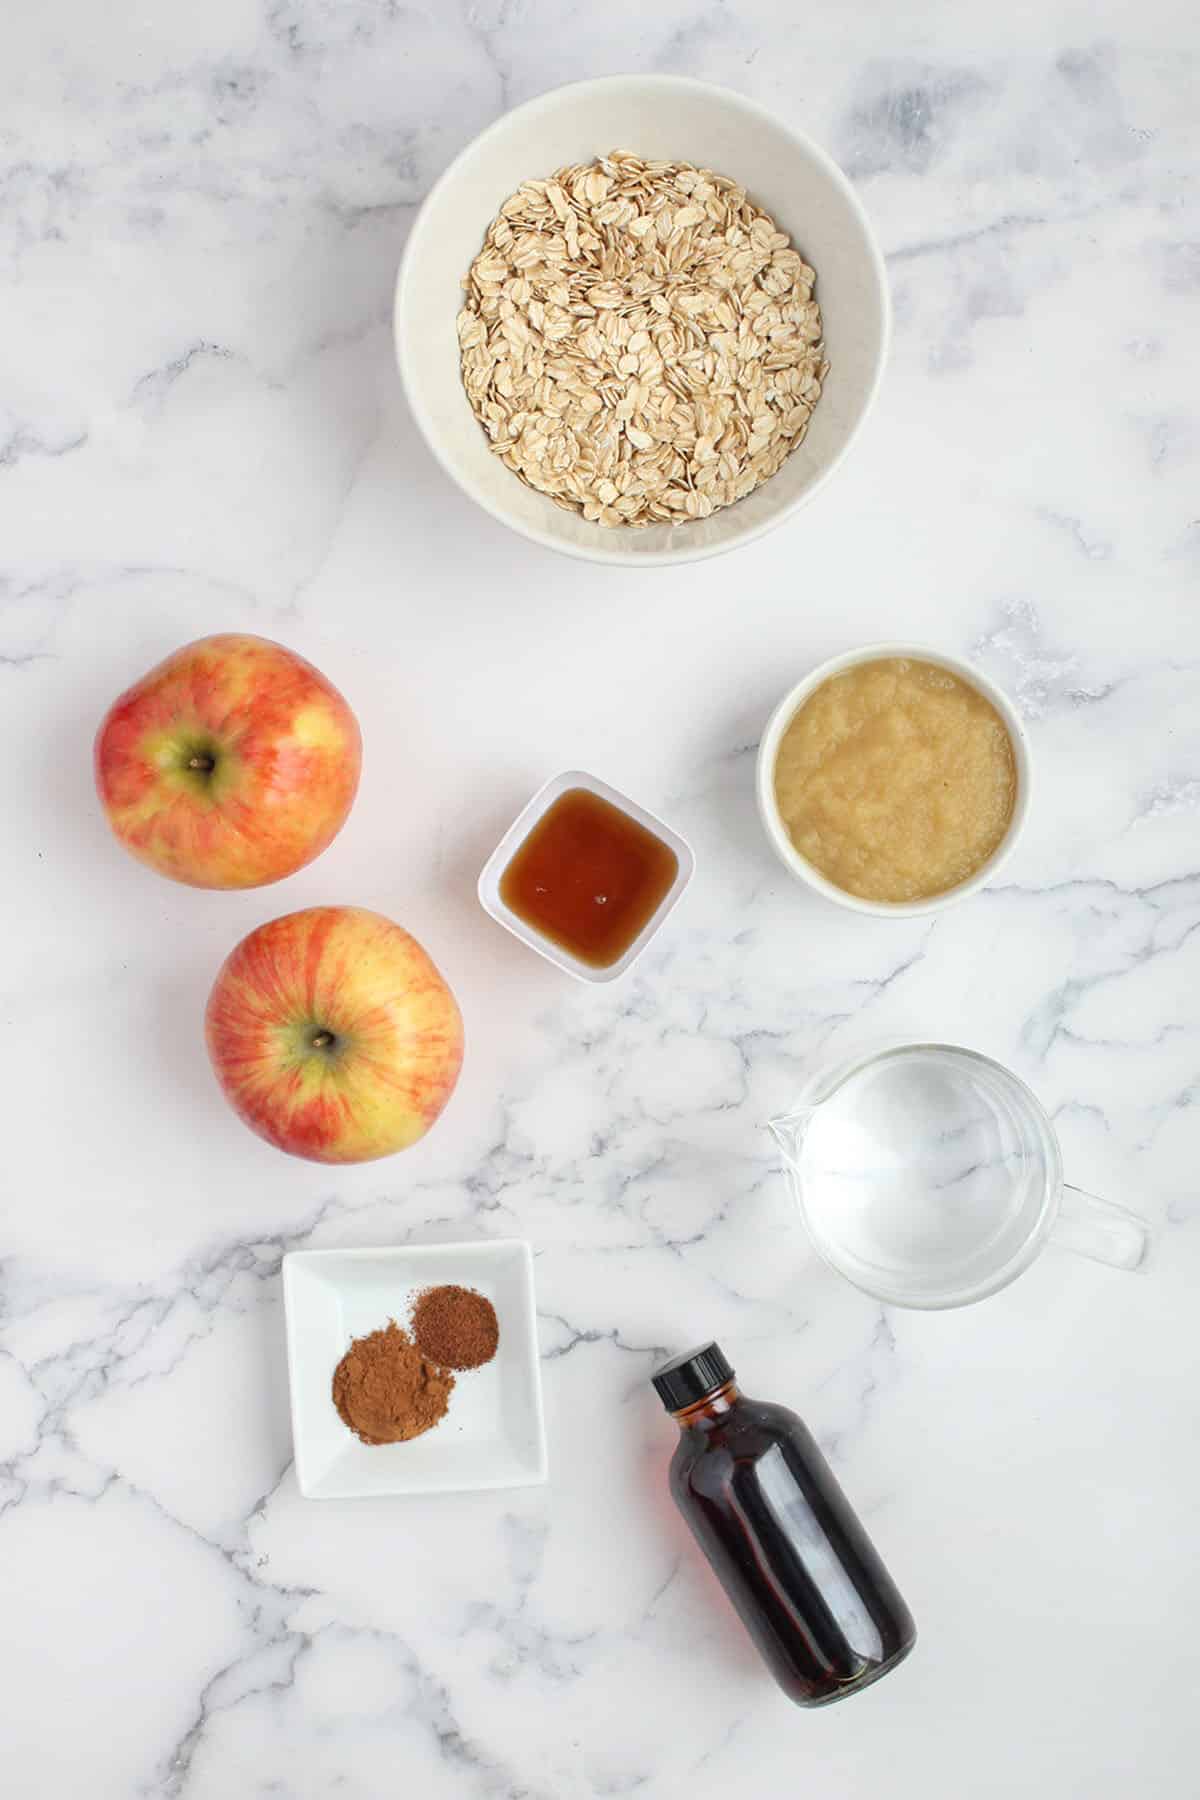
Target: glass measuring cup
930	1176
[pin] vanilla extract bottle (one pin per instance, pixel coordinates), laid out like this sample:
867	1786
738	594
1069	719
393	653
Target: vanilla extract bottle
763	1504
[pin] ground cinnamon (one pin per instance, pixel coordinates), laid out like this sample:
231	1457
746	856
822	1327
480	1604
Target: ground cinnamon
456	1327
386	1391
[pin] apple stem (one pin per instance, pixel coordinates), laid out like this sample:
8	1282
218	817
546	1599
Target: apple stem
321	1040
204	763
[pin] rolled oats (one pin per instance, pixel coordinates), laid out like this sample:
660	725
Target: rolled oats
640	341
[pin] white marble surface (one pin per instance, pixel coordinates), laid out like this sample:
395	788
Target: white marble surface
201	208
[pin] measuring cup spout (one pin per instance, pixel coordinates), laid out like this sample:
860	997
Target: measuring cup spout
788	1131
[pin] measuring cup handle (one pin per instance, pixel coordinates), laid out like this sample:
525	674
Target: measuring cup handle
1096	1228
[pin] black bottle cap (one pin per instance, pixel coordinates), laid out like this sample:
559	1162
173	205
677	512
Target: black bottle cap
687	1378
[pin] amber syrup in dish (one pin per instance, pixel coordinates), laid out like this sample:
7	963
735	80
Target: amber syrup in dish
589	877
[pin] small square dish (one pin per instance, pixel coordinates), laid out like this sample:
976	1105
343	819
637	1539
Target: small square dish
493	1434
586	865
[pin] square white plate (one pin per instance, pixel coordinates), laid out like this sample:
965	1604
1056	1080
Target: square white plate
492	1435
493	870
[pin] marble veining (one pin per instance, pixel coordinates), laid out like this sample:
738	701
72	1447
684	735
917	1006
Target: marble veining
201	211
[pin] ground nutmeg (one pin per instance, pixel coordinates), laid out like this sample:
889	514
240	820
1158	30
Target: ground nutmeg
455	1326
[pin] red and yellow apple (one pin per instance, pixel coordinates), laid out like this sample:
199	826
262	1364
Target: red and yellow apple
333	1035
231	764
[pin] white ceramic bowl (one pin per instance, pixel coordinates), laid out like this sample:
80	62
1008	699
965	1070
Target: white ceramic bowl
656	116
777	832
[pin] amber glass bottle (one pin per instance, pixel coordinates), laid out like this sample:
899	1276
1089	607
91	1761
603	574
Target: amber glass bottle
764	1507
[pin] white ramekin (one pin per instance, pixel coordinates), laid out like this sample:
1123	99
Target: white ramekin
776	830
492	901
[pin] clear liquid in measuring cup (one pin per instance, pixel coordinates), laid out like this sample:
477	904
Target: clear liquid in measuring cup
925	1171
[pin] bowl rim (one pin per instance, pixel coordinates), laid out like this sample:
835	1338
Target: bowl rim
546	102
777	834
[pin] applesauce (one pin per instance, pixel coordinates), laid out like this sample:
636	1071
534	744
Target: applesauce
896	779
